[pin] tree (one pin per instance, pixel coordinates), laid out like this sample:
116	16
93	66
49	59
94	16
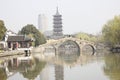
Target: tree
2	29
111	31
85	36
30	30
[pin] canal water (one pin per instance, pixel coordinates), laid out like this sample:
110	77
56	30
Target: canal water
67	67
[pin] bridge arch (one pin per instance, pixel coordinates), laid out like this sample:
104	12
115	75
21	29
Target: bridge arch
69	45
92	46
64	41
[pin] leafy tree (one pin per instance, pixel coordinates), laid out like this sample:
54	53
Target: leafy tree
2	29
85	36
82	36
111	31
31	30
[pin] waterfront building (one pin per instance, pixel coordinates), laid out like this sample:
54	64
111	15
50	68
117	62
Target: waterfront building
12	41
57	27
42	23
18	42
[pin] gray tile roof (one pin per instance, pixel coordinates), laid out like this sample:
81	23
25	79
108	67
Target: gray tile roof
18	38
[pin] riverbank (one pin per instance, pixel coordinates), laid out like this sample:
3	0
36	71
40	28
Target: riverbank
11	53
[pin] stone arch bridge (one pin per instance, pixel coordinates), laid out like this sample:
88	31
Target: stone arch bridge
79	42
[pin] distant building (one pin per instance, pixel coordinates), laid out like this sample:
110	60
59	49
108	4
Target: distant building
57	27
48	34
9	33
42	23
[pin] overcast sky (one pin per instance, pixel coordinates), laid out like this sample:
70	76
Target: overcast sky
78	15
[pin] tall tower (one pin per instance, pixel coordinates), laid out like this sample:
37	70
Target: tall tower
57	27
42	23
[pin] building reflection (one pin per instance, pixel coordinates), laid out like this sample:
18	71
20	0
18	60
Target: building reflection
59	72
68	56
21	64
29	67
9	67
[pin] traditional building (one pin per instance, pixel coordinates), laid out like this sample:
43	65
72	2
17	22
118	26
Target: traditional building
19	41
57	27
12	41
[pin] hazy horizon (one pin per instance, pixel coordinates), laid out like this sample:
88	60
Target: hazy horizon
87	16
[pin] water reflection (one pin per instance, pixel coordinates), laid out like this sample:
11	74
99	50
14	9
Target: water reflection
2	74
69	57
92	68
21	64
34	72
112	66
69	51
59	72
29	67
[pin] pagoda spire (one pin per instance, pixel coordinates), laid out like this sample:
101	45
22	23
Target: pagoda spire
57	12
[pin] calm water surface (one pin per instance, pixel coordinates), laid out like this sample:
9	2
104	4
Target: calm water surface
62	67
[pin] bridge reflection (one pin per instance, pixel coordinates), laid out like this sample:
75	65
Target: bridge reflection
69	51
69	55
